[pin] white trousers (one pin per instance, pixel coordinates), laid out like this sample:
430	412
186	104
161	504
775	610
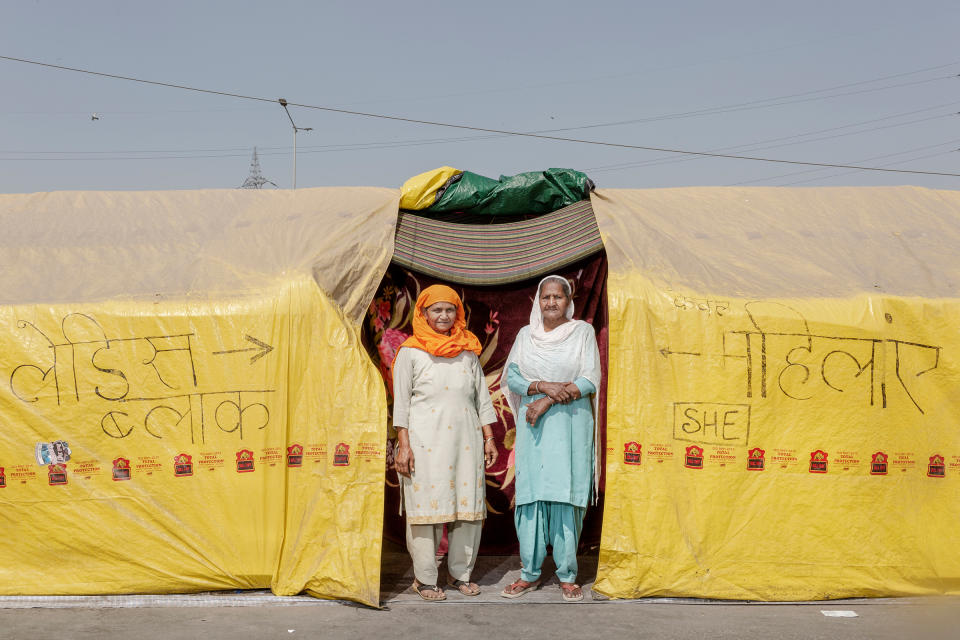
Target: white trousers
423	540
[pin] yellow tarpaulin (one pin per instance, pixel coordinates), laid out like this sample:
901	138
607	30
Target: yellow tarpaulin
420	191
781	395
197	357
782	401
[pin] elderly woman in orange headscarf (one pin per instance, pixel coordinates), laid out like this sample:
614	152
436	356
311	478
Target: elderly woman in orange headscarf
443	415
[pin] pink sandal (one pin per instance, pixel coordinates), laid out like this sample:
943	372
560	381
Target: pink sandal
519	588
571	592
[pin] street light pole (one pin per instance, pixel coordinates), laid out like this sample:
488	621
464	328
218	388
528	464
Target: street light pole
283	103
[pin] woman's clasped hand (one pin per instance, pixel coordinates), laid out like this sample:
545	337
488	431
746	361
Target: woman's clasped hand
553	393
559	392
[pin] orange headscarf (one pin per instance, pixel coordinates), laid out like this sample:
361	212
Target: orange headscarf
426	339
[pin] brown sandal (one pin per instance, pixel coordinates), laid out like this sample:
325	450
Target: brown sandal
466	588
422	589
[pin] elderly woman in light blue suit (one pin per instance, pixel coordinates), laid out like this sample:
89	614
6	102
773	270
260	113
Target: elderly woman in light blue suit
553	375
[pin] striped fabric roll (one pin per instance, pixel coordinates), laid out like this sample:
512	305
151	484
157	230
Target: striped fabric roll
491	254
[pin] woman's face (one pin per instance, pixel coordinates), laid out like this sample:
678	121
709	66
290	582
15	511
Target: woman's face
441	316
553	302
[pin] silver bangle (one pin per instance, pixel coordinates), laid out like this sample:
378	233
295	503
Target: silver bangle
538	387
485	440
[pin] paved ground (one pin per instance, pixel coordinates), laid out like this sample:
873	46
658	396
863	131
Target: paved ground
259	614
912	619
492	573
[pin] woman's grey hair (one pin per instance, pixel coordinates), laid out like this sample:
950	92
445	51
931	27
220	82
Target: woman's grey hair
563	283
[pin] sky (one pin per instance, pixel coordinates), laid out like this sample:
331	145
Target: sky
866	83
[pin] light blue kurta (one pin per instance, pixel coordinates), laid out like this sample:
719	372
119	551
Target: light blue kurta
554	458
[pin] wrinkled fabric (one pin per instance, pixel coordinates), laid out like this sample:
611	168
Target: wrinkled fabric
563	354
783	414
555	456
438	344
542	524
443	403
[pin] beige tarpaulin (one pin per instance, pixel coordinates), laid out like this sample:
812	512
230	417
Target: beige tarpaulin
225	428
783	393
91	246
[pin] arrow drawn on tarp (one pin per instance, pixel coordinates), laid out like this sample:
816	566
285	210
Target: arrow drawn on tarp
665	352
262	349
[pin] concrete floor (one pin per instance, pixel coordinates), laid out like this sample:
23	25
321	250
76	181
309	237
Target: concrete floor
539	614
930	619
491	573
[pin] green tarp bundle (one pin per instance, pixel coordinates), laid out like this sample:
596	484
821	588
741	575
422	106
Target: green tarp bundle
532	192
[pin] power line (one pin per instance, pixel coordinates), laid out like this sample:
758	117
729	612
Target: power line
348	146
114	158
705	111
754	146
127	113
67	152
211	153
760	104
870	159
434	123
361	146
854	133
843	173
374	145
601	78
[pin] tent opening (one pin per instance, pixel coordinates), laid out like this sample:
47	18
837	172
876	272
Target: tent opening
495	267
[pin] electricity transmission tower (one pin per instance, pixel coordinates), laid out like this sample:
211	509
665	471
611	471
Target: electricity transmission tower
256	180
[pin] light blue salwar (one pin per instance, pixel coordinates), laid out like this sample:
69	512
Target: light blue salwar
554	478
555	523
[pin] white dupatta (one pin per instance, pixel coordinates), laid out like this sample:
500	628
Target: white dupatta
564	354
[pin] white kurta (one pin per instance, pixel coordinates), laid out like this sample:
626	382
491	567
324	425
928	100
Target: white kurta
444	403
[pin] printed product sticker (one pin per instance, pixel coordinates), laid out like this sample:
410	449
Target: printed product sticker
56	452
